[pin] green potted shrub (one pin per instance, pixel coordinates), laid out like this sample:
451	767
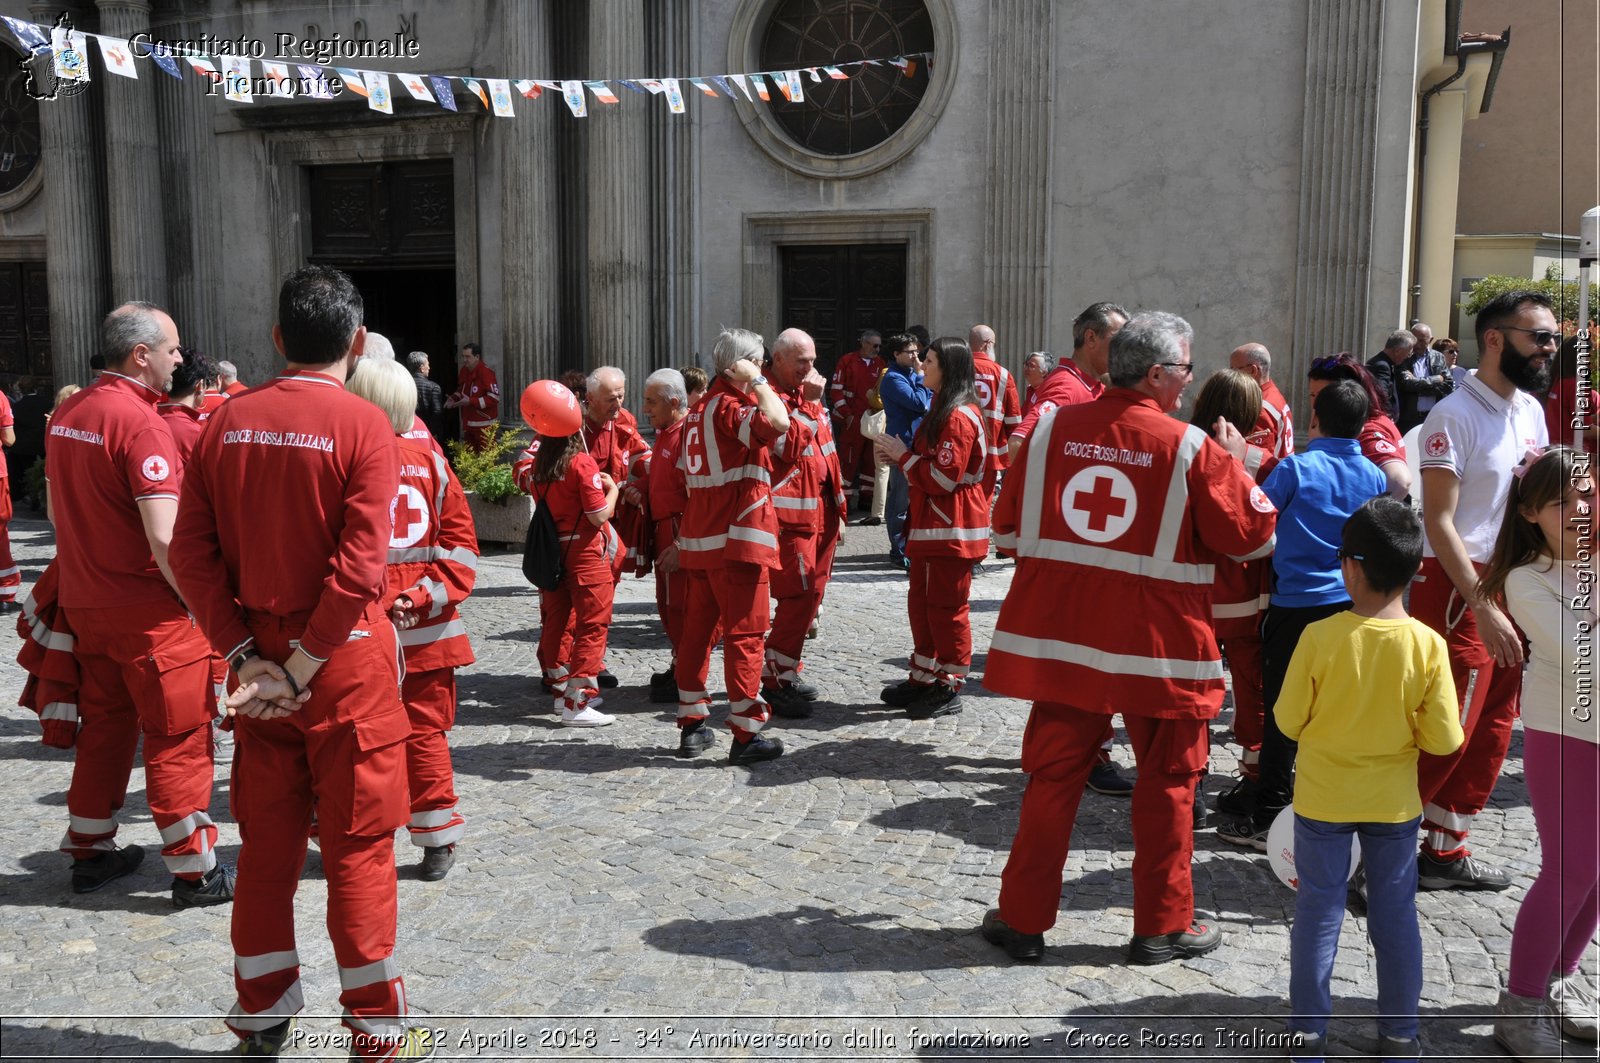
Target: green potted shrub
500	509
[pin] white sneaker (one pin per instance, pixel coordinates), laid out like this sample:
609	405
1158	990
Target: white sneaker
1526	1029
1572	1000
584	717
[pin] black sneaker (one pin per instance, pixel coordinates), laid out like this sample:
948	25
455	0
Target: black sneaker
1198	940
937	700
1019	946
787	703
89	875
802	689
757	749
216	887
437	860
1406	1048
902	693
870	522
664	688
1245	832
268	1042
1467	873
1239	799
695	739
1104	778
606	680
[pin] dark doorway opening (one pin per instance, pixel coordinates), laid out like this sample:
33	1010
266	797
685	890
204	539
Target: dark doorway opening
391	227
834	292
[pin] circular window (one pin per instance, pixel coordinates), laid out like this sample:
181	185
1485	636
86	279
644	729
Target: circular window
845	117
19	133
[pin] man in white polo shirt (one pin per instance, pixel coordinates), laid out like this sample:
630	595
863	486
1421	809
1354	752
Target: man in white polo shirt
1471	442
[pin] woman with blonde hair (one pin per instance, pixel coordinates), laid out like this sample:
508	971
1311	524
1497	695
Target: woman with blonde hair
433	563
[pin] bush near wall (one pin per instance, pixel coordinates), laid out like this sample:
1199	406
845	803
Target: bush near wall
487	472
1563	295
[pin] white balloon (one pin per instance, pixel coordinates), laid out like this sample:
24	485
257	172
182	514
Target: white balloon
1280	849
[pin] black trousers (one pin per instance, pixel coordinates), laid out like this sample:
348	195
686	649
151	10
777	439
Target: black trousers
1280	634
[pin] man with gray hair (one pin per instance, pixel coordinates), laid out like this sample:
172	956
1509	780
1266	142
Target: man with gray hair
115	473
1422	377
430	396
666	404
228	374
1385	368
1274	428
728	540
1118	507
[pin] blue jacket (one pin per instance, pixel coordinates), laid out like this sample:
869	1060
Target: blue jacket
905	399
1316	490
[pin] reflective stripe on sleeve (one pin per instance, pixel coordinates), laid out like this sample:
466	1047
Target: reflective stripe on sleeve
1105	661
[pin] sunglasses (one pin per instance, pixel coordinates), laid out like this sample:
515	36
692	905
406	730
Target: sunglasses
1541	336
1187	367
1342	554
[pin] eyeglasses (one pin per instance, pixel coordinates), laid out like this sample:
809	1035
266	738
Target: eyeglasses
1187	367
1344	555
1541	336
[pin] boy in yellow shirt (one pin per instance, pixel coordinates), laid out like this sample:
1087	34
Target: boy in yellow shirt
1366	689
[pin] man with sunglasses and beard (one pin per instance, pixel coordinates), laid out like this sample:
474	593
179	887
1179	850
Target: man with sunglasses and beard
1471	442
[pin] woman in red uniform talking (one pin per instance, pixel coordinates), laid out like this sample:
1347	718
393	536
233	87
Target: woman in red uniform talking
947	531
560	474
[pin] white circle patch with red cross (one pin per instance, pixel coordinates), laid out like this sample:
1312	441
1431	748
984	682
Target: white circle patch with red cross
985	393
1383	446
947	454
155	468
1259	499
1099	503
408	515
1437	445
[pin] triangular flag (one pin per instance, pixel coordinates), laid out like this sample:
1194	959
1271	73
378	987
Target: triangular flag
797	90
835	73
722	83
377	85
572	92
738	79
780	83
236	79
442	89
477	90
500	93
315	80
71	58
530	89
674	95
700	83
354	80
910	69
652	85
33	38
927	57
116	57
278	74
816	75
161	55
602	91
204	66
761	86
415	86
631	85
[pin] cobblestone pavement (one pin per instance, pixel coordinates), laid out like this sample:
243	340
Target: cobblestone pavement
614	901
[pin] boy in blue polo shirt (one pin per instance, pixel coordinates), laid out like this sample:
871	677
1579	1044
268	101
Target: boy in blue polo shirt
1316	490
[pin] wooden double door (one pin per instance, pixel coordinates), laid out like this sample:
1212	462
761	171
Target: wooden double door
834	292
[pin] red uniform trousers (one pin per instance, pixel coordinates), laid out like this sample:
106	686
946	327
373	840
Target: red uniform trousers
736	598
1249	708
430	699
342	754
147	668
574	618
672	593
797	593
827	547
941	631
475	437
10	573
1059	747
856	462
1456	787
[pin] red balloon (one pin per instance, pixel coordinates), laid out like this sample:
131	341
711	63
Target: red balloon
551	409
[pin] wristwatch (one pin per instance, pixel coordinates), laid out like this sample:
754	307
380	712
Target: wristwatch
758	380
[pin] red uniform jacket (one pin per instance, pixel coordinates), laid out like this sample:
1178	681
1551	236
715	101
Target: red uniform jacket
831	484
109	449
433	558
185	423
854	376
1380	441
478	389
235	388
620	452
213	402
797	468
1239	595
1065	385
1117	514
727	460
47	657
419	432
326	466
1274	429
667	490
949	508
997	398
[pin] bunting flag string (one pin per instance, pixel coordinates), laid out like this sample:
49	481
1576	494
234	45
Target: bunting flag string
236	82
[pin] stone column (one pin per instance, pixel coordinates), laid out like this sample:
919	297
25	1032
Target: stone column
133	170
75	225
530	341
674	200
619	174
1343	41
1016	274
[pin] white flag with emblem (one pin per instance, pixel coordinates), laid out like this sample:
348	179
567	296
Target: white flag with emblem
116	56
